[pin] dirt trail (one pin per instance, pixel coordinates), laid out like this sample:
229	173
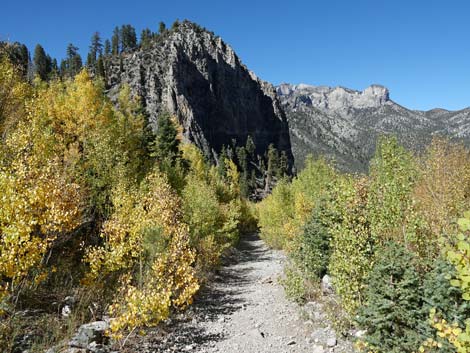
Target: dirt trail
244	309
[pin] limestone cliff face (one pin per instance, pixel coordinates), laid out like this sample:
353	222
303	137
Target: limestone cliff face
343	124
193	74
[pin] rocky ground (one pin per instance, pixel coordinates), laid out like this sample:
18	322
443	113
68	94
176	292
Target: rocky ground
245	310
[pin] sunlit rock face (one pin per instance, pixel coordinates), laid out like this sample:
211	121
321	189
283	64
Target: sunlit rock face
195	75
344	124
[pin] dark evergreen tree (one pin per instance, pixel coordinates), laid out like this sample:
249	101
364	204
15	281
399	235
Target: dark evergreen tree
242	158
392	313
90	62
100	70
73	63
445	298
128	38
313	253
252	182
63	68
175	24
221	161
42	63
18	54
250	147
107	47
166	143
273	165
95	50
116	41
243	164
161	28
146	38
283	165
229	152
54	69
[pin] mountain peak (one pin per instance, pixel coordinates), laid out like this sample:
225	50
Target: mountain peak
193	74
334	99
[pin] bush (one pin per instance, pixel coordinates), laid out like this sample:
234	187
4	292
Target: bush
275	215
294	284
441	194
312	254
392	313
149	283
351	243
392	176
457	333
444	300
283	214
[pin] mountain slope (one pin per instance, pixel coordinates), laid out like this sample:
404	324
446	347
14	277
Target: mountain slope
193	74
344	124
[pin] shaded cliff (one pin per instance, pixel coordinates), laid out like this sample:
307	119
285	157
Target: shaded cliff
190	72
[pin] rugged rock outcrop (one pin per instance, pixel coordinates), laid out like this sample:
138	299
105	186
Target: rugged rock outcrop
344	124
195	75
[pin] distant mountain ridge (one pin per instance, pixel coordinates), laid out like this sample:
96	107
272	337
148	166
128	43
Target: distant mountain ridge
344	124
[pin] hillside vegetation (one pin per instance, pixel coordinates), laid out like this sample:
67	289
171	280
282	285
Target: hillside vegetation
395	243
98	210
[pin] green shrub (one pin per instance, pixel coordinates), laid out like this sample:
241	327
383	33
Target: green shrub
312	254
392	176
445	299
274	213
351	243
392	312
294	284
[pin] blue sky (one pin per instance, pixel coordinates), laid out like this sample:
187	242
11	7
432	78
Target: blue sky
419	49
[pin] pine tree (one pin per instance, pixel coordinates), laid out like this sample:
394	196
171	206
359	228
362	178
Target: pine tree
63	68
73	63
17	54
96	50
221	161
283	165
116	41
273	165
250	147
166	143
161	28
107	47
146	38
100	71
243	164
175	24
128	38
54	69
41	63
392	312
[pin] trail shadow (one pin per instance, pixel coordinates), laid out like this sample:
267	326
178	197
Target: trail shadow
222	297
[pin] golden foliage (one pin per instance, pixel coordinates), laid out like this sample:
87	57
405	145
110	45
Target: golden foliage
440	195
165	276
13	94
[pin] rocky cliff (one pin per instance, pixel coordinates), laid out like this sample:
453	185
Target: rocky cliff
344	124
195	75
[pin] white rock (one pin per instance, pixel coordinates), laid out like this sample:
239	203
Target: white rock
331	341
327	284
317	349
66	311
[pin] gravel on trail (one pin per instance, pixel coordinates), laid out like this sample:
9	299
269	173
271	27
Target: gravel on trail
244	309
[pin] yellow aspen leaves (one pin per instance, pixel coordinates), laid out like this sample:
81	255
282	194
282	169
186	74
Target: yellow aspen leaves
153	277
